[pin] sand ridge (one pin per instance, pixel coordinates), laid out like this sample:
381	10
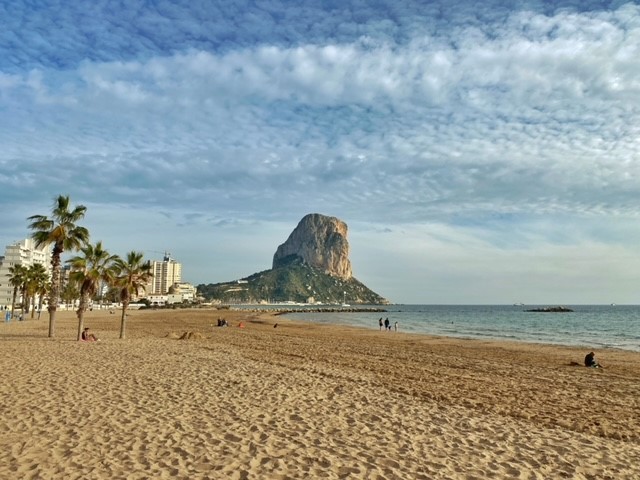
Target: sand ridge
305	401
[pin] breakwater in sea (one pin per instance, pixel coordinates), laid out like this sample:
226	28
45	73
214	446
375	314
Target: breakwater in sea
279	310
330	310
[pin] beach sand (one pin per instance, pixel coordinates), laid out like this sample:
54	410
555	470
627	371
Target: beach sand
305	401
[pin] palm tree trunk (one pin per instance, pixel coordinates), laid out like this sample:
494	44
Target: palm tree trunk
55	288
80	312
123	320
13	300
52	321
25	300
25	303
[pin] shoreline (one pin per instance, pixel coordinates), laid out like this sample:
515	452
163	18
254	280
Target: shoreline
305	400
424	324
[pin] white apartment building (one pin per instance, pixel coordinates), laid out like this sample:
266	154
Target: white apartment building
186	291
165	274
180	293
20	253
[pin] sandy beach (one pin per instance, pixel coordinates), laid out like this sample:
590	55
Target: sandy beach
305	401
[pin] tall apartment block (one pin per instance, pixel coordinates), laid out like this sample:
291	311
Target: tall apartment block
20	253
165	274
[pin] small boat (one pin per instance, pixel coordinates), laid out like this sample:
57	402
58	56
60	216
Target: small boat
344	300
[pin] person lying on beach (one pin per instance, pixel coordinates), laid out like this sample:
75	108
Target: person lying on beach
590	361
88	336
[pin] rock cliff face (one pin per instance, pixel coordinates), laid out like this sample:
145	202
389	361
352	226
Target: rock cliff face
321	242
311	267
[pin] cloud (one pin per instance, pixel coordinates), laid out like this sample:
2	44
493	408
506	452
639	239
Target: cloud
440	264
477	118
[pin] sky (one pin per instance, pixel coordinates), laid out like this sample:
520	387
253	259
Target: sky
479	152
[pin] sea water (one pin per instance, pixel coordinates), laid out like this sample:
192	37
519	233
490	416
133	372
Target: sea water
589	326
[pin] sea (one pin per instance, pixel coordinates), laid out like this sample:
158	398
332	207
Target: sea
589	326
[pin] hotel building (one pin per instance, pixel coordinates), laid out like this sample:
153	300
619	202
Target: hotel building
20	253
165	274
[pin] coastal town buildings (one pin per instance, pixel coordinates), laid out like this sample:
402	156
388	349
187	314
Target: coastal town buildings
166	273
178	293
165	288
185	291
20	253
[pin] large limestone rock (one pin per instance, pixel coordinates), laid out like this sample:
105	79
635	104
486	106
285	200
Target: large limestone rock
312	266
321	242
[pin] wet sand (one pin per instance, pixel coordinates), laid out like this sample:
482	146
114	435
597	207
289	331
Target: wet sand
305	401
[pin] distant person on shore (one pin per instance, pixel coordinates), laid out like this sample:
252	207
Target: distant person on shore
395	326
387	326
590	361
380	323
87	336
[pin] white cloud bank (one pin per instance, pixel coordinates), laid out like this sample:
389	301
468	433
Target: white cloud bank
501	133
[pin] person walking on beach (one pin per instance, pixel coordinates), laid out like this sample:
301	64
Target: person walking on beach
380	323
395	326
386	324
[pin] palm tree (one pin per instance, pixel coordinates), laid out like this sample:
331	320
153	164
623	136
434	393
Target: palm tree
37	280
62	232
112	295
43	289
132	277
88	271
69	293
17	276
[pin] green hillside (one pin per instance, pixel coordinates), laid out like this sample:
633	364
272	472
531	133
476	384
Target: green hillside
295	281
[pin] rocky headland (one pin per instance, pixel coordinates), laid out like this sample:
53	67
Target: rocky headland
312	266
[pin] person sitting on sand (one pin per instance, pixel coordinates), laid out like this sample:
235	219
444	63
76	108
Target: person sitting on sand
590	361
88	336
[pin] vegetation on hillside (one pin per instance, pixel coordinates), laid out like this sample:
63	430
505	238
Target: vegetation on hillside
297	282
